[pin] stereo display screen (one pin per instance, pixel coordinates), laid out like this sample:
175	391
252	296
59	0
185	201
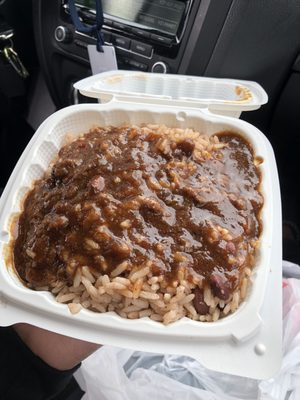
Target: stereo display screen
163	15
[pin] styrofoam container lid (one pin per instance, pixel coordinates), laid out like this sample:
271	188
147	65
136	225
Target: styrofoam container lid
225	96
246	343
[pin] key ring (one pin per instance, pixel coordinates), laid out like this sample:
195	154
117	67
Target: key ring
14	60
6	36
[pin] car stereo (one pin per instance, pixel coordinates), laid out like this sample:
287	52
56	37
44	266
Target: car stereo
157	20
139	27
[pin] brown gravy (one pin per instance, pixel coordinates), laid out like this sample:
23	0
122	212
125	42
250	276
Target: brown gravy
122	193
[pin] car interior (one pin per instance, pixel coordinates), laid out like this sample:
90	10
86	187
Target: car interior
252	40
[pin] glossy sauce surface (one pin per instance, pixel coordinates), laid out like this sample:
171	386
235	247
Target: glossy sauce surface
127	194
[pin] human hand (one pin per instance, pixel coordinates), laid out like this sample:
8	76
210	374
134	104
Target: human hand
58	351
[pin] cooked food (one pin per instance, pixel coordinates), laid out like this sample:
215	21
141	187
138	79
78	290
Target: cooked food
146	221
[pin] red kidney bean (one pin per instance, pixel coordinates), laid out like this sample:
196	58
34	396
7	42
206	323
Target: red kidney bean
219	287
201	307
230	248
186	146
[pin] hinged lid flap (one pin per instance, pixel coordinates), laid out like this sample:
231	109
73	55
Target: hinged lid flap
218	95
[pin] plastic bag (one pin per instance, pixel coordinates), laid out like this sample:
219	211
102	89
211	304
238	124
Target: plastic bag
287	381
117	374
155	377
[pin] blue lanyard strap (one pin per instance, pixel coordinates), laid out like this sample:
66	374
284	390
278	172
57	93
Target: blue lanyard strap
94	30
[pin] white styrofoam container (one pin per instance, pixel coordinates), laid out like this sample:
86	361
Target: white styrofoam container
247	343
